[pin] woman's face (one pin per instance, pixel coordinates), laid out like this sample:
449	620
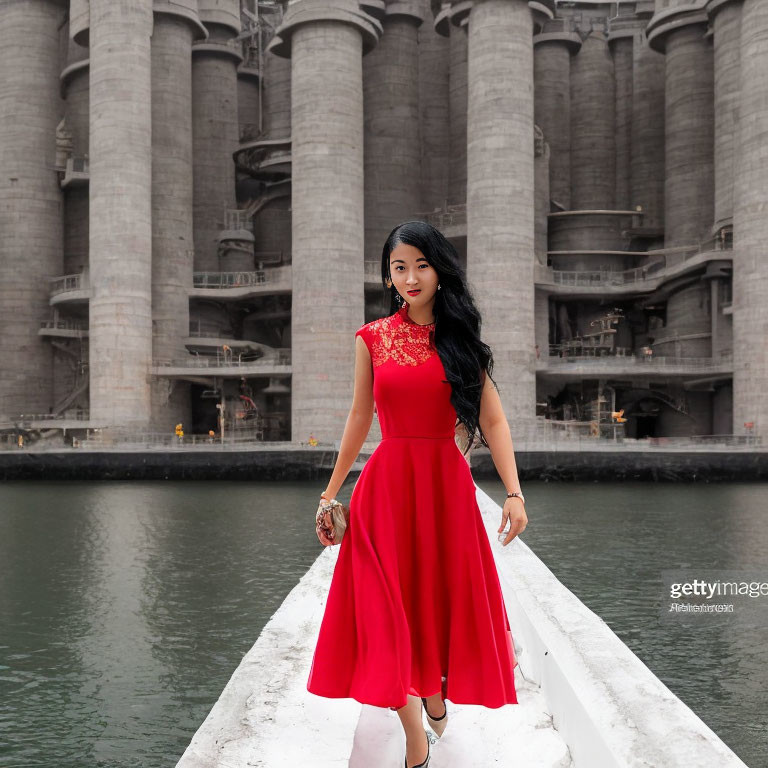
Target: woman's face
410	271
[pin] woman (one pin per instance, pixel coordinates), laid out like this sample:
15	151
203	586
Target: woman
415	613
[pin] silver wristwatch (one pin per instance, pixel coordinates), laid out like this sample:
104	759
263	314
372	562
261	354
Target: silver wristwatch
517	493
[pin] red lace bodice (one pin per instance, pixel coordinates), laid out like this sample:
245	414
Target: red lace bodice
399	338
410	389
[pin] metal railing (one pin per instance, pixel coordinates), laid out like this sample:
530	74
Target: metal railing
281	356
274	276
77	282
603	277
79	414
646	363
552	434
148	440
65	325
683	253
668	258
237	218
545	435
229	279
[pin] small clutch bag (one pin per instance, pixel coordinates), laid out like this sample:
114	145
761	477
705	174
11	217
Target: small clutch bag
332	520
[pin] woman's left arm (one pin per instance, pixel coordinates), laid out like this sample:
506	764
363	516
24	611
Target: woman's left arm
495	427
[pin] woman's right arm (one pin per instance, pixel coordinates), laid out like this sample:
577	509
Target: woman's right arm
359	419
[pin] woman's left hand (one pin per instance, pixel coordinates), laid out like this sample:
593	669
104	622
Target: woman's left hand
514	511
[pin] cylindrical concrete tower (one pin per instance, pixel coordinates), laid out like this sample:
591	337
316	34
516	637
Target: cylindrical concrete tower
553	48
628	45
325	45
623	57
750	229
434	113
678	30
688	330
593	126
249	75
120	212
593	160
725	20
30	200
175	27
250	98
215	127
272	222
276	95
689	123
500	194
647	128
542	199
457	87
391	119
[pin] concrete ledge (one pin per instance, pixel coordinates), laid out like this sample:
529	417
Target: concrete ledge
284	462
608	706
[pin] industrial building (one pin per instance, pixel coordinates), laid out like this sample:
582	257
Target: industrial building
195	194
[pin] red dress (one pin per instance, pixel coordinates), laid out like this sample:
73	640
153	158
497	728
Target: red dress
415	605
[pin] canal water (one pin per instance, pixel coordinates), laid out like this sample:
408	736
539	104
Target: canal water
125	607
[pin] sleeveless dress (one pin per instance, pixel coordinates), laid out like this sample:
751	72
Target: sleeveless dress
415	605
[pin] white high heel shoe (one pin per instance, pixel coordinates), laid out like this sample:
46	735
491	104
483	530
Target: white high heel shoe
438	723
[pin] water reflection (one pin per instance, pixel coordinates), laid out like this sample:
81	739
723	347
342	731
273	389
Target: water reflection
47	606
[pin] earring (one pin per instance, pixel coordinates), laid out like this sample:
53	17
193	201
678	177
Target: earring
438	286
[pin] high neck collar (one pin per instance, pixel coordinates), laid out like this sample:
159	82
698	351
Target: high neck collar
407	318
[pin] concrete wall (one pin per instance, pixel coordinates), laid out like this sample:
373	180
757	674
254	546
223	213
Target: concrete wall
173	246
689	189
457	85
647	129
120	247
500	191
434	113
750	267
327	203
30	200
552	113
216	132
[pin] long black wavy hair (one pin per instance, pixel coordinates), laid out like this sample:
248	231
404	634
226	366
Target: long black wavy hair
457	320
